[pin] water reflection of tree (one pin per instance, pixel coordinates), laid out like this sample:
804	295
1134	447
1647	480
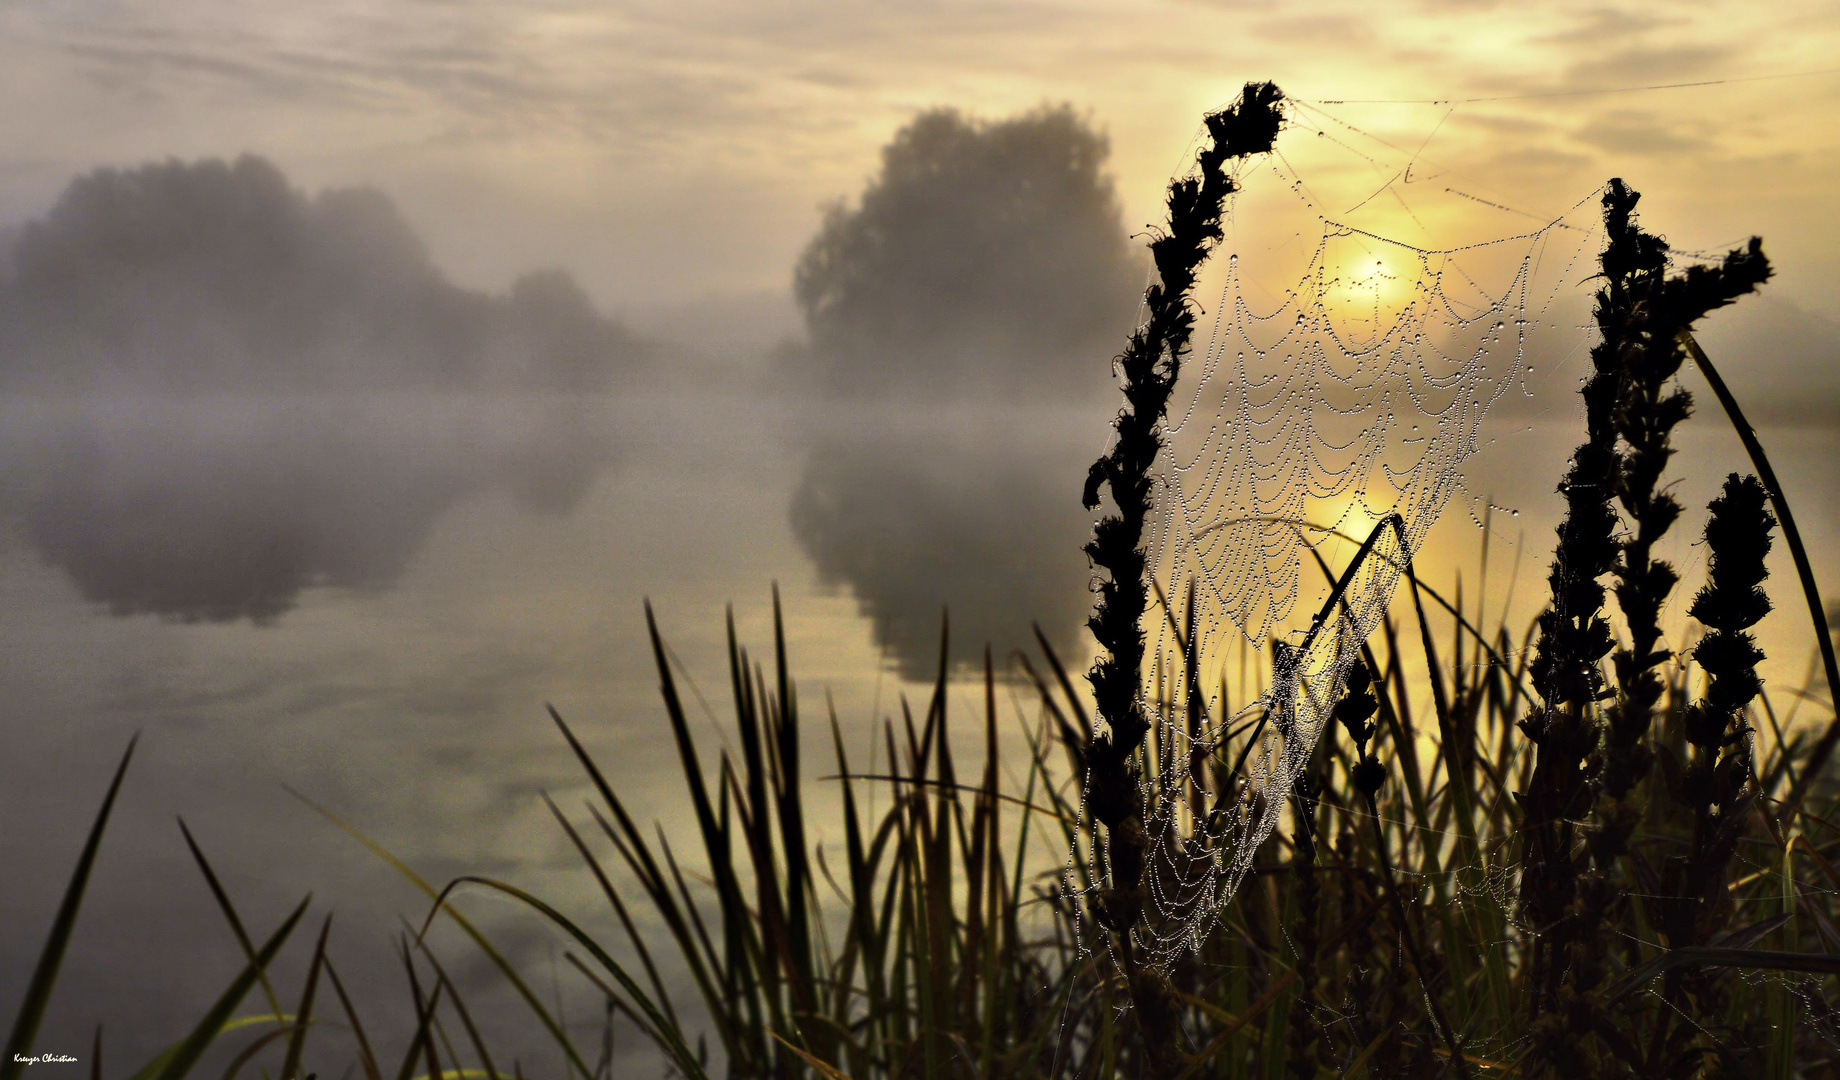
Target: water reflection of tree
984	269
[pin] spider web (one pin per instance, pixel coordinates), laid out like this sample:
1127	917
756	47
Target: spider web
1344	384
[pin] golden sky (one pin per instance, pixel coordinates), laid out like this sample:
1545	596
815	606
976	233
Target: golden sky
669	150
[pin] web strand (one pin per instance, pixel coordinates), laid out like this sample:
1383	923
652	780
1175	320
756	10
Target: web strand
1342	399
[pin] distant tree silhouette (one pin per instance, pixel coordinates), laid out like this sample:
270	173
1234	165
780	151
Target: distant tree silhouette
216	275
986	255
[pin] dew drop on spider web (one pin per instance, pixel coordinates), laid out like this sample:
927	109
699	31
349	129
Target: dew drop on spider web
1283	444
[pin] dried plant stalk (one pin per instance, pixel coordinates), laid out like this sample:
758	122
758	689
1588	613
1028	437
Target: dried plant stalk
1149	365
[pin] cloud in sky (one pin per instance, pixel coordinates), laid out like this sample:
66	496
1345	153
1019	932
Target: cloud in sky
221	276
1633	133
668	150
1636	65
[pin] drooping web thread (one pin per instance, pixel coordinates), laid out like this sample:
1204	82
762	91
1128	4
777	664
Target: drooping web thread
1336	403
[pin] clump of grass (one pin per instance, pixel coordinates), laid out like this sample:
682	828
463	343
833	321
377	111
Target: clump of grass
940	944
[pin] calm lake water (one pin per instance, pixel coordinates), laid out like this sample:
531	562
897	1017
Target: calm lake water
369	602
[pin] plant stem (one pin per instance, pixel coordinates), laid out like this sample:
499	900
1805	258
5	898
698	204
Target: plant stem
1150	364
1438	1019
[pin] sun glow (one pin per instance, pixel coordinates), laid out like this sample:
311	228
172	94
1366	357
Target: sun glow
1349	513
1368	288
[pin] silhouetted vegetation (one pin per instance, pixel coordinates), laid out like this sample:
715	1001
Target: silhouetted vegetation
986	257
1601	868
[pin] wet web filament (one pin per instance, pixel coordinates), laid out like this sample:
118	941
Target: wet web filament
1345	381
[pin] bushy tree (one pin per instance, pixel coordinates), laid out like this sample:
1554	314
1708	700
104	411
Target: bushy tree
986	255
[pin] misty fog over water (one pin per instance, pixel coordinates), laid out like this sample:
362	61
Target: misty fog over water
312	519
279	496
408	698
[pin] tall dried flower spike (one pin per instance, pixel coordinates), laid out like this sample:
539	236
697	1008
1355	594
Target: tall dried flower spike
1574	635
1694	901
1650	405
1149	365
1632	405
1715	782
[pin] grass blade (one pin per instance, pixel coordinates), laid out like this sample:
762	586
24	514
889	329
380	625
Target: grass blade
673	1038
466	1017
290	1065
187	1053
44	976
230	915
365	1057
254	1048
479	939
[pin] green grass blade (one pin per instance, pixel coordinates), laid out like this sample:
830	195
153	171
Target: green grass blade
365	1057
479	939
466	1017
674	1043
44	976
249	1052
290	1065
613	997
424	1013
619	906
863	933
158	1061
638	856
229	910
799	912
187	1053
